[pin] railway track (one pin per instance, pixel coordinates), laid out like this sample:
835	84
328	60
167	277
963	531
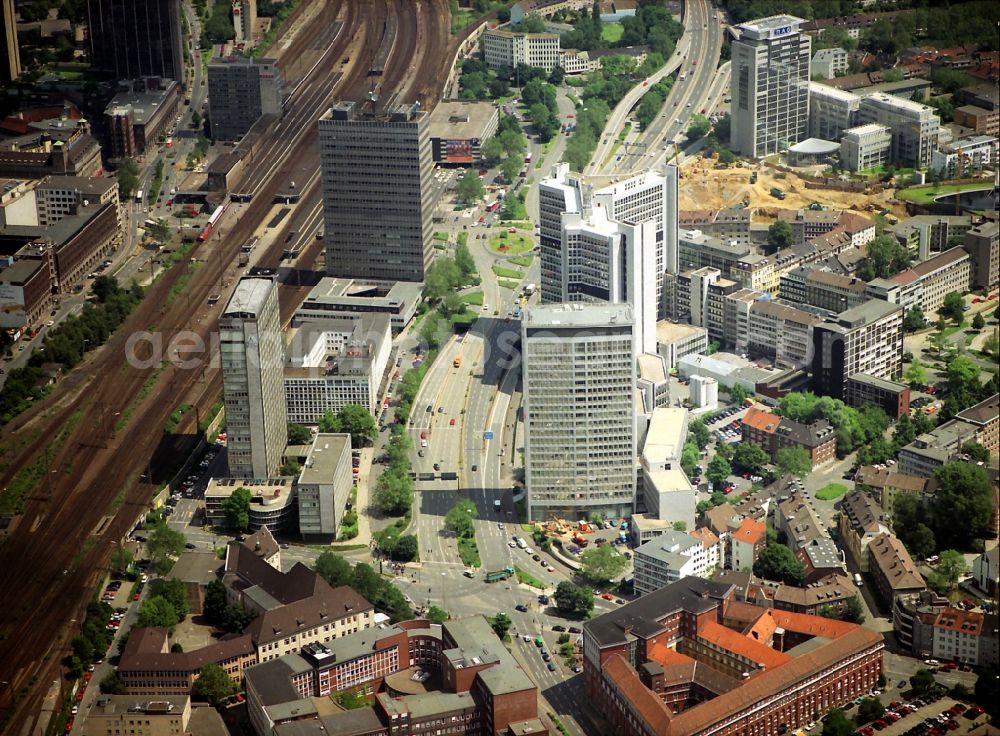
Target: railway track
102	427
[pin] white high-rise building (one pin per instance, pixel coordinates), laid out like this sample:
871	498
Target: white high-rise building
769	86
607	240
579	411
914	127
252	379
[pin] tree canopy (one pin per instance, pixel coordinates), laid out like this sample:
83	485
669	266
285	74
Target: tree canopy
237	509
885	258
213	685
459	518
602	564
794	461
352	419
299	434
779	234
838	724
749	458
470	187
962	505
574	600
778	562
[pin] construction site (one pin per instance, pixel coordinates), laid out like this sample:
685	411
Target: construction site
704	187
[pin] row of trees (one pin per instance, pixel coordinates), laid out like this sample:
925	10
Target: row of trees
367	583
393	494
885	258
69	342
166	606
652	101
352	419
92	641
506	148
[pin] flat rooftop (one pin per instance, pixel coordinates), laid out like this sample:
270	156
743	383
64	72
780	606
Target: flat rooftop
460	119
577	314
667	332
249	296
666	434
324	459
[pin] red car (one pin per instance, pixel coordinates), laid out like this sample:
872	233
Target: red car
69	725
452	422
607	596
79	694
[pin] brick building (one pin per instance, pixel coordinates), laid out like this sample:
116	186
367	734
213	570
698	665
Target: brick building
892	568
689	659
772	433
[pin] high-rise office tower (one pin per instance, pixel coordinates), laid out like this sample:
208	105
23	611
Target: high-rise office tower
133	39
579	409
377	171
635	218
240	90
253	380
864	339
769	86
11	69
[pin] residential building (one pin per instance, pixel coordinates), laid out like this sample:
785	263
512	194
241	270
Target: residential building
458	129
865	146
936	277
240	90
273	502
292	609
888	485
773	433
833	591
931	450
822	289
923	234
332	297
675	340
864	339
828	63
697	250
253	391
669	557
137	116
892	568
699	297
831	111
979	120
148	667
914	127
984	417
986	571
579	378
861	520
333	361
965	156
726	224
377	171
133	40
797	520
576	217
11	69
892	397
769	86
506	49
139	715
746	543
691	660
780	332
983	244
927	626
324	487
483	690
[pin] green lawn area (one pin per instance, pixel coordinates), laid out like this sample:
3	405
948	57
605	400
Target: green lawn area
519	224
508	273
612	32
508	284
473	297
528	579
831	491
441	236
469	552
461	19
926	195
522	261
511	244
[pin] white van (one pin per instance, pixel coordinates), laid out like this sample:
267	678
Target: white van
521	543
423	443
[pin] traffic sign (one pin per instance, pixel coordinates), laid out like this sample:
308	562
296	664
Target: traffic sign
487	435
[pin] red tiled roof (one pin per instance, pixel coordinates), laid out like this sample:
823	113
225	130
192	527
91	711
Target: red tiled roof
751	531
644	701
957	619
762	420
743	646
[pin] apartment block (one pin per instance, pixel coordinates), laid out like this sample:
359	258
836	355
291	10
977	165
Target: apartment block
892	568
132	39
827	290
690	659
865	147
698	250
699	298
938	276
831	111
747	542
772	433
828	63
914	127
376	168
726	224
865	339
861	520
769	85
833	591
334	361
984	418
965	157
506	49
888	485
780	332
983	244
667	558
579	380
240	90
253	390
931	450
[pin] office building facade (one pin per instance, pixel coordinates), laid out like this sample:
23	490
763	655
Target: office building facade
506	49
769	86
240	90
136	39
579	379
831	111
377	171
252	385
914	127
865	339
865	147
983	244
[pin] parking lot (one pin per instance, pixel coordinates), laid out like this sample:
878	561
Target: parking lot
931	719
